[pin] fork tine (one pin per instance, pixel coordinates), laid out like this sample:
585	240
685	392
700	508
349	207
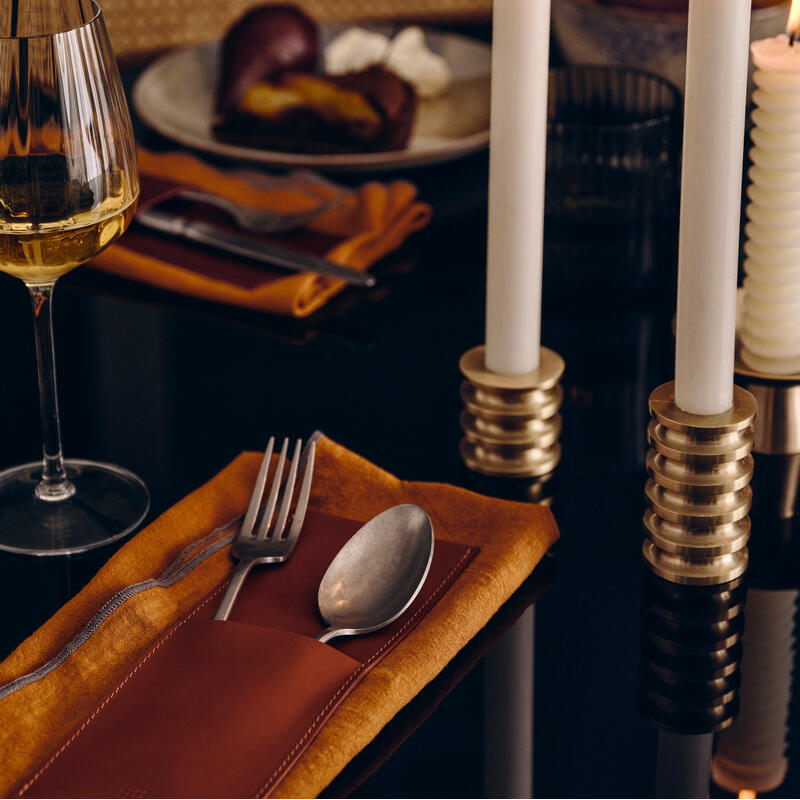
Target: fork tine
288	491
302	499
263	550
263	528
258	492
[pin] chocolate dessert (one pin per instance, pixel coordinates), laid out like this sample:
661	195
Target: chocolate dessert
266	41
268	97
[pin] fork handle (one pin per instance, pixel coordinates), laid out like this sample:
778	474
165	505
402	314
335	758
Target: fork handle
236	582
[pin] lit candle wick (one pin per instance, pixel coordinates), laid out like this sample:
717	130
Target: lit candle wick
793	22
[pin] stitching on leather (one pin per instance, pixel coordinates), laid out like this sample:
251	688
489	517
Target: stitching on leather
262	792
108	699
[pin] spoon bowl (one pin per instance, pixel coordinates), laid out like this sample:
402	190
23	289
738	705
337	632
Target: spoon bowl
377	574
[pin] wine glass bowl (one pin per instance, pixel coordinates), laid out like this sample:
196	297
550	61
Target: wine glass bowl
41	246
68	189
67	155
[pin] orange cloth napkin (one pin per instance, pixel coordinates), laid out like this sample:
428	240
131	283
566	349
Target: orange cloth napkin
513	537
370	222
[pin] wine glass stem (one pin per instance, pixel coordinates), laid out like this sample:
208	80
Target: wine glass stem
54	485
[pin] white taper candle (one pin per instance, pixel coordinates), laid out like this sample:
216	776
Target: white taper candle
713	146
520	49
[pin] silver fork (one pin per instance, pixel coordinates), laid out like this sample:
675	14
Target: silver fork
257	220
267	544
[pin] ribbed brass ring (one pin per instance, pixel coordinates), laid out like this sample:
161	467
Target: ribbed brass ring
679	476
699	511
679	569
503	403
739	416
510	462
683	447
535	432
697	525
547	375
673	537
511	423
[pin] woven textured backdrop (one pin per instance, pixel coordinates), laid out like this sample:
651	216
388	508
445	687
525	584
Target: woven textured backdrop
146	26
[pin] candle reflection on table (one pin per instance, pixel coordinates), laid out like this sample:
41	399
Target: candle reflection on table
509	668
751	754
689	675
683	764
690	654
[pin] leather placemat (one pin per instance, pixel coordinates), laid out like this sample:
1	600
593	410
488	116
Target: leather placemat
218	709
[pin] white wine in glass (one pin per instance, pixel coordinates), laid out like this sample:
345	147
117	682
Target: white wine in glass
41	252
68	189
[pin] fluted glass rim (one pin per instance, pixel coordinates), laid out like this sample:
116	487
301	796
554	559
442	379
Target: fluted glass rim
98	13
665	116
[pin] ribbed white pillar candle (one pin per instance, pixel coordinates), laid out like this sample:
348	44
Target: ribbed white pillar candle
770	326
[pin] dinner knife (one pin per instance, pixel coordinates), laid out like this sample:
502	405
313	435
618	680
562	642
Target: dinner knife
248	247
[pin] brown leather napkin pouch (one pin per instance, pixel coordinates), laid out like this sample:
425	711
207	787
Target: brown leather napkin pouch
224	709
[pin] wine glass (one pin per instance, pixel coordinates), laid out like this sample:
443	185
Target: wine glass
68	189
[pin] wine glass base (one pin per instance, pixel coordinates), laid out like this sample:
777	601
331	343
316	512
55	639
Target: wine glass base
109	503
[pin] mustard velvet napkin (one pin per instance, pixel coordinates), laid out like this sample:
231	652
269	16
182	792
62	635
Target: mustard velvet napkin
512	537
370	222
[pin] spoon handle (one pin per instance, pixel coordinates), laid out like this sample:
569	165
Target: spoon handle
328	634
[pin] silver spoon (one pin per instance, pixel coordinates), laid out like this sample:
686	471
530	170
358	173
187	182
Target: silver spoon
377	574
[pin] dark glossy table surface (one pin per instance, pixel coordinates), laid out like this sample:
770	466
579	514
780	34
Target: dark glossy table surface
174	388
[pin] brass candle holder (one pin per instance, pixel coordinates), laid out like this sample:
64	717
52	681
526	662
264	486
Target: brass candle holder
778	396
699	494
511	423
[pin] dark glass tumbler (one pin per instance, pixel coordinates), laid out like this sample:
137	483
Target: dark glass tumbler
613	172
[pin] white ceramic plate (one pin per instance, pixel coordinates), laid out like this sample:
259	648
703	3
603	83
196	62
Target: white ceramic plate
175	96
